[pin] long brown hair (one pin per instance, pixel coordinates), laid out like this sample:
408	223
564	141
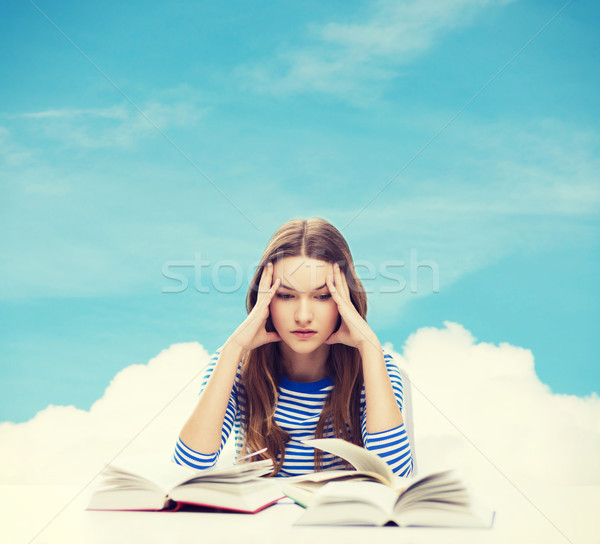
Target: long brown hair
313	238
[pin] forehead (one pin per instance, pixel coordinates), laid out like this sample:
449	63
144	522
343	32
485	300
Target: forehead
301	273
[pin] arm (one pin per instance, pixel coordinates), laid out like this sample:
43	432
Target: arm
382	407
203	430
382	425
209	426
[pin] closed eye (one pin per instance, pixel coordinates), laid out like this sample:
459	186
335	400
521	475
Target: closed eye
286	296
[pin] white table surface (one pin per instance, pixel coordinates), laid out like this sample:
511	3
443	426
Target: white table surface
49	514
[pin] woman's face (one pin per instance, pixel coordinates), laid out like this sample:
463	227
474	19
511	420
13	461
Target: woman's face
303	303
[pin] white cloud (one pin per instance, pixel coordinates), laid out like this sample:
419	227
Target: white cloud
63	444
465	391
110	113
116	126
12	154
341	56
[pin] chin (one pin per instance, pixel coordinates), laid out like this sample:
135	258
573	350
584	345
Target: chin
300	346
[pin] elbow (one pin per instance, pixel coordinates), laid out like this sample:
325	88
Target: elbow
407	469
402	463
186	456
404	468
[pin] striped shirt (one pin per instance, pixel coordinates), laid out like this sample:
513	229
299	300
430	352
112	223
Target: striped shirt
298	410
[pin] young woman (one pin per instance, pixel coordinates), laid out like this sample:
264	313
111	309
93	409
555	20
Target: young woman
304	364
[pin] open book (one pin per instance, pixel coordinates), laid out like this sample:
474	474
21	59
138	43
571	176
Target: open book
145	483
373	495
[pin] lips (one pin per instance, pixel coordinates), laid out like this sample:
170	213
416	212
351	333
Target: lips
304	333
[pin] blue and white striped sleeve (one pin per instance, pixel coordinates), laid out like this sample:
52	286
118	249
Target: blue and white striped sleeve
183	454
391	445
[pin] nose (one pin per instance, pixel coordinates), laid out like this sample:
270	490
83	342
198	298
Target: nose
303	314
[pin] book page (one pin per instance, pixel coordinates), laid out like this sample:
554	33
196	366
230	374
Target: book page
241	472
158	471
350	503
359	458
321	478
446	491
161	473
348	514
302	488
443	515
364	492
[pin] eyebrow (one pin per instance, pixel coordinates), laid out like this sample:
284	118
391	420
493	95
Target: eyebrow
291	289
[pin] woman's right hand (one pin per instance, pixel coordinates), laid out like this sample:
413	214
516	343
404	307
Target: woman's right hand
252	333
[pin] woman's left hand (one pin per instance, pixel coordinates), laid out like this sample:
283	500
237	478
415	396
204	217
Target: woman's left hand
354	330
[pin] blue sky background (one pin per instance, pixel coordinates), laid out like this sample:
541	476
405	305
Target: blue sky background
222	121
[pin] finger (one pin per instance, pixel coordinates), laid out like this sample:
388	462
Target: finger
335	286
341	282
261	280
270	273
267	296
331	284
265	278
273	288
335	294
